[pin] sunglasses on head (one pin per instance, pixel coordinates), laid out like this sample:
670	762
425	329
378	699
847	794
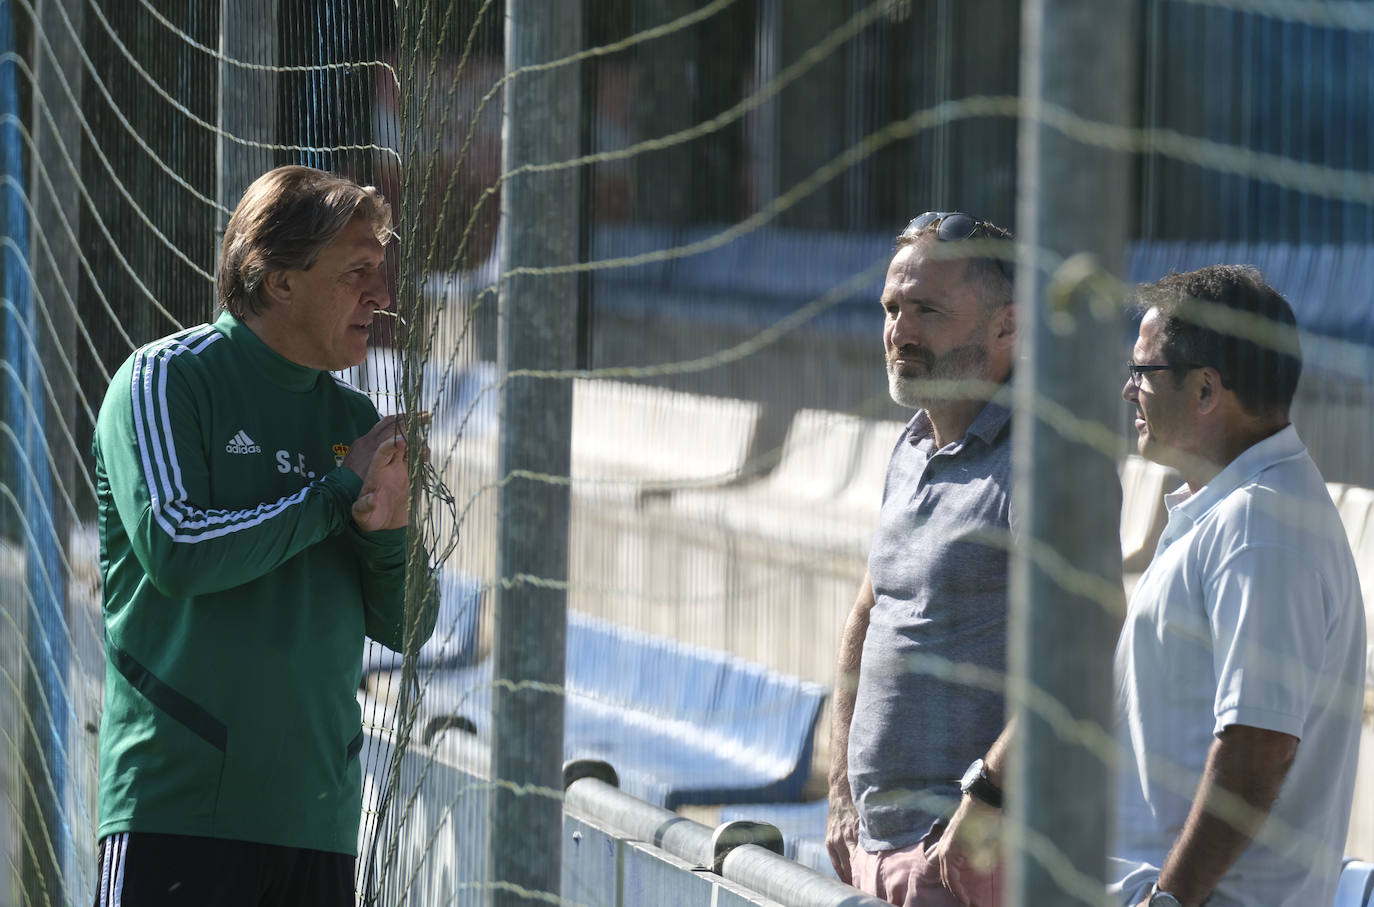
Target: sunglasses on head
952	226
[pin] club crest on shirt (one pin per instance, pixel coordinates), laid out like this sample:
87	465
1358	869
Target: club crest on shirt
340	451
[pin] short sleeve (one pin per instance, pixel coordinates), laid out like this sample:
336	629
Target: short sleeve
1269	616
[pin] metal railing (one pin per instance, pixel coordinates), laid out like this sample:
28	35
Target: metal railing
429	838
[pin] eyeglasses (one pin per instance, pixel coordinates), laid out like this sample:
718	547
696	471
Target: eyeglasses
1137	370
952	226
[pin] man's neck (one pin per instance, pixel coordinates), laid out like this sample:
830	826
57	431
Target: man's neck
1226	447
279	341
950	419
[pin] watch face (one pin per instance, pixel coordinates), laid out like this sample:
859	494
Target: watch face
975	784
974	772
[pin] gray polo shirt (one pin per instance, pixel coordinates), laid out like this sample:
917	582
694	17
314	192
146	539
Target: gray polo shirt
939	569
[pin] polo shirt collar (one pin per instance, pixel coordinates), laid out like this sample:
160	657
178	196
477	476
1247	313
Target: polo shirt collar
1282	445
986	426
990	422
269	363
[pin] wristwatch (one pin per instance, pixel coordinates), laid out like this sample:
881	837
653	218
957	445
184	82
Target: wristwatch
1162	898
976	784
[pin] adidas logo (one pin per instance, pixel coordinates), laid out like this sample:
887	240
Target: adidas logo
242	444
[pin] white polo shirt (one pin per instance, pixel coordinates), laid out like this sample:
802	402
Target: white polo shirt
1249	614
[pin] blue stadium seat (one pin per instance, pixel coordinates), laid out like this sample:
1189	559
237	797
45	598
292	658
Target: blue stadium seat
1356	887
680	724
454	643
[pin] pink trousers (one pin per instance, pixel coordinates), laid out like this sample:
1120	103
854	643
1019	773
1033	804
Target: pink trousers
905	878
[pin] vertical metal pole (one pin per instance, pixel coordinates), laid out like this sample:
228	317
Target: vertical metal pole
46	460
538	330
1076	57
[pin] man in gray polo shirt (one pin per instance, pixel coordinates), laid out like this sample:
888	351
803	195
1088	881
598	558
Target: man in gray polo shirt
935	597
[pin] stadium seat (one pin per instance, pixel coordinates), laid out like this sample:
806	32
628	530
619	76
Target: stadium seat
1356	887
1143	514
626	438
463	430
1355	507
818	456
848	525
864	493
844	525
680	724
816	461
1337	491
454	643
631	438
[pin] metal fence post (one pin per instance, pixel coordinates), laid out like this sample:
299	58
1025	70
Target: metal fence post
538	331
1077	58
40	348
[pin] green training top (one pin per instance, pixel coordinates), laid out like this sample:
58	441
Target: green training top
237	591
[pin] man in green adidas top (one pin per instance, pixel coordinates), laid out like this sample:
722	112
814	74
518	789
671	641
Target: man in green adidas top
252	518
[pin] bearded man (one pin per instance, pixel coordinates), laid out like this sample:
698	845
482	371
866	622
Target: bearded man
935	594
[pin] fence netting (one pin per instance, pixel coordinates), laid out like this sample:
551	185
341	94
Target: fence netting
743	168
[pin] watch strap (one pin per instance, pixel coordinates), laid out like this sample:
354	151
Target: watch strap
1160	898
977	785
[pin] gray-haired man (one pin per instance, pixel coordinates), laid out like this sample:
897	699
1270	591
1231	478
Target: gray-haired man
252	521
936	590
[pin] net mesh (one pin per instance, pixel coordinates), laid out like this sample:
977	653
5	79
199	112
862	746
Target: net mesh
742	169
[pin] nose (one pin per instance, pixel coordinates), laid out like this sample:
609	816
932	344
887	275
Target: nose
1130	392
377	292
902	329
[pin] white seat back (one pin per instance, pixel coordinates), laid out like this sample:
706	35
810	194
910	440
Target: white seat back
634	431
864	491
1143	514
818	455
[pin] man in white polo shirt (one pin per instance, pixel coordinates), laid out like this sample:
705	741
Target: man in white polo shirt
1240	668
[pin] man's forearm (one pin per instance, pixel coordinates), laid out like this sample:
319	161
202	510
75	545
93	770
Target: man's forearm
1245	770
995	761
846	684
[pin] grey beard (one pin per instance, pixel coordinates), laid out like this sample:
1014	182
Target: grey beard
966	361
904	391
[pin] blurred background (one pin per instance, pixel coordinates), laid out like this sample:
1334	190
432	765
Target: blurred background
742	168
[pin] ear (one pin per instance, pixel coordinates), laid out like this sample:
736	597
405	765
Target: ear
1208	390
277	287
1003	327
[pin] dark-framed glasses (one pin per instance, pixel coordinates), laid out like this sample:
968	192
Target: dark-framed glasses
1136	371
952	226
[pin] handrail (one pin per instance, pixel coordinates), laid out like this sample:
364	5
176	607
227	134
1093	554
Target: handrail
611	807
725	851
789	882
749	865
